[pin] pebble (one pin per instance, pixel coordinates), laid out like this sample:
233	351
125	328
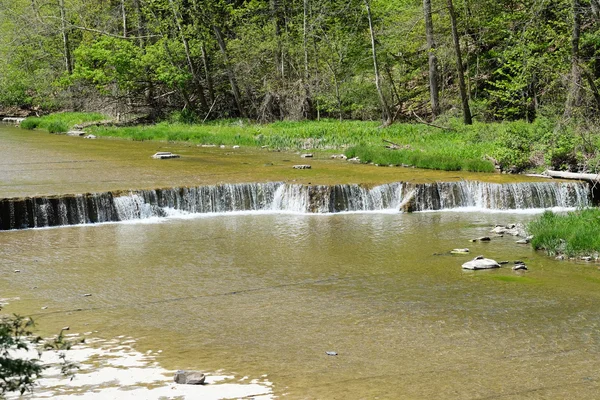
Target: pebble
86	294
331	353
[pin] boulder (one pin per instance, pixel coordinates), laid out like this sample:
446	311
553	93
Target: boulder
189	377
481	263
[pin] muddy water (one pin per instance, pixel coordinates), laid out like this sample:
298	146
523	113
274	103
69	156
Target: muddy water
34	163
270	294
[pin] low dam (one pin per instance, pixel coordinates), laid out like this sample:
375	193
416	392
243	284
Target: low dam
36	212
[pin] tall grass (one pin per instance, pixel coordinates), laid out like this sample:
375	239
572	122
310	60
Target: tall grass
60	122
571	234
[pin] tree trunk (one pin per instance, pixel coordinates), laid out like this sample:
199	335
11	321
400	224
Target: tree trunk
124	18
65	38
209	83
276	15
195	77
387	116
433	76
232	80
574	91
468	120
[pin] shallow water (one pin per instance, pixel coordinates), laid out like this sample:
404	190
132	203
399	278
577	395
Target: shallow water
272	293
35	163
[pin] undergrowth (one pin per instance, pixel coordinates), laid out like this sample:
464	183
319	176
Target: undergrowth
572	234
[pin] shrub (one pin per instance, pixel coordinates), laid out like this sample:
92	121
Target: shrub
57	127
30	123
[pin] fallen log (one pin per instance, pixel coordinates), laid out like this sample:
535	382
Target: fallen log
573	175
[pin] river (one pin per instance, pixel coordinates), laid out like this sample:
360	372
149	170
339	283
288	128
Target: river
264	295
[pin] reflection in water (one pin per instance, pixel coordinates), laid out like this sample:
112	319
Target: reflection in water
271	294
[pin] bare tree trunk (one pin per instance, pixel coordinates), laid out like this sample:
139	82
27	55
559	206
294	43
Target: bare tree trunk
468	120
433	75
209	83
188	56
387	116
124	18
276	13
574	91
65	37
232	80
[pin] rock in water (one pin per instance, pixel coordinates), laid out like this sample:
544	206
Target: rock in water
480	263
519	267
163	155
331	353
459	251
301	166
189	377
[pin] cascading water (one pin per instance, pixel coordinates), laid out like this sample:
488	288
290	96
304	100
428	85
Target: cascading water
281	197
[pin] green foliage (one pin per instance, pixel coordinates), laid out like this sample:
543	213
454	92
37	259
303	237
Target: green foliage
30	123
572	234
57	127
17	374
60	122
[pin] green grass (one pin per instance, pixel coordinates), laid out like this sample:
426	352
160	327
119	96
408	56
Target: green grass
516	146
572	234
60	122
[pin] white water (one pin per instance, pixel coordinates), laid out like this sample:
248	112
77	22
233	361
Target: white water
291	198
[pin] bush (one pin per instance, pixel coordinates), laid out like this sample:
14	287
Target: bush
30	123
57	127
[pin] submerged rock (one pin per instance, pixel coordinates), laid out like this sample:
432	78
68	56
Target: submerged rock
162	155
459	251
481	263
189	377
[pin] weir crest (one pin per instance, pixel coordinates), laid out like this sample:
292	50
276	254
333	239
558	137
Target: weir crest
35	212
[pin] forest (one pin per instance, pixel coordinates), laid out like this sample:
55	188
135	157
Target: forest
270	60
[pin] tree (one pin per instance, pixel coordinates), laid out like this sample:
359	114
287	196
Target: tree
467	119
432	60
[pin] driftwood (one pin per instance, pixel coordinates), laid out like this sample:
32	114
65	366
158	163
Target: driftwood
573	175
433	125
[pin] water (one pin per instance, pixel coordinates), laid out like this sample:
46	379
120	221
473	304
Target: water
281	197
271	293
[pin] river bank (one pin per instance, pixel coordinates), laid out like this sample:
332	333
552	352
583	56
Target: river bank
449	145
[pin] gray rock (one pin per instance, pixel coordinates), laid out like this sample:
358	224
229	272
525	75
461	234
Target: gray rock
519	267
484	239
331	353
75	133
90	137
306	155
302	166
522	241
586	258
163	155
459	251
481	263
189	377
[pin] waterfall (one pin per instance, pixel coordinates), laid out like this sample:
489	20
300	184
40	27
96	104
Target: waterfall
281	197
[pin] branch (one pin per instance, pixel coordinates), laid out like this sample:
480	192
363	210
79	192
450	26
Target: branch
433	125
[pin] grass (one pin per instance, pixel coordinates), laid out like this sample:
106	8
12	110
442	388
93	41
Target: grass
515	146
60	122
572	234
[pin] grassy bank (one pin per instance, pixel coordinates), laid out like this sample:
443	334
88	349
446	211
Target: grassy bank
514	146
573	234
60	122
